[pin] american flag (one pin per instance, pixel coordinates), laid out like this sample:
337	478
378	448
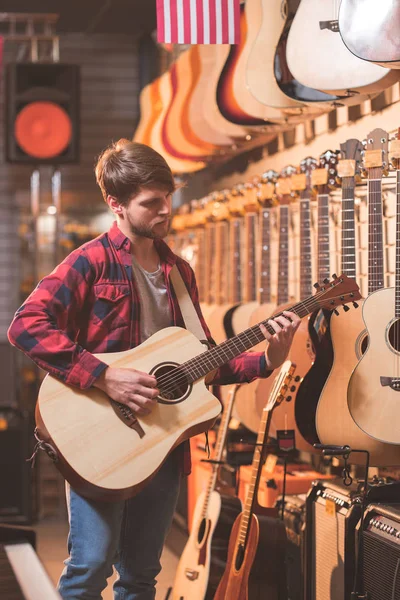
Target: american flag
198	21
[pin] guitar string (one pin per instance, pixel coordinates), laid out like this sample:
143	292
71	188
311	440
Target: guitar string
219	351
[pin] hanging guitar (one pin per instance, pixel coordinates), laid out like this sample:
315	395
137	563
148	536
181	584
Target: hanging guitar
203	560
256	554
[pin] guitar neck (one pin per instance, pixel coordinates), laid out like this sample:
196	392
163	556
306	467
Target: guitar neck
210	264
219	447
397	284
235	292
264	291
375	230
222	242
348	227
305	245
283	256
250	265
323	237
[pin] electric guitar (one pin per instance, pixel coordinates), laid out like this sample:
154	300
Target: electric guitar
375	382
334	423
253	552
103	449
203	560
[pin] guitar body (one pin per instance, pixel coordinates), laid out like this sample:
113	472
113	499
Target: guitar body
375	38
318	57
203	561
77	423
301	354
265	577
374	404
245	403
334	423
311	386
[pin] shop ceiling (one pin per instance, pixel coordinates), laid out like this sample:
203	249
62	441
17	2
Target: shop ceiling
136	17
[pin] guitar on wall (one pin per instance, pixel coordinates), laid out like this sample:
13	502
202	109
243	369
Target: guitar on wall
256	554
334	423
373	393
203	560
103	449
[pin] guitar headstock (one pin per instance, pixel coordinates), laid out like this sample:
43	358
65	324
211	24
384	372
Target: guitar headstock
266	188
324	177
340	291
281	385
376	153
394	153
283	186
350	164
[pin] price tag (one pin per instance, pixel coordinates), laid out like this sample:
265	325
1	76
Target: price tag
299	182
268	190
395	149
330	507
373	158
286	440
283	186
270	463
346	168
319	177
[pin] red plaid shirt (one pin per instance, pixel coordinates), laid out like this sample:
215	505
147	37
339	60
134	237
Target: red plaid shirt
90	304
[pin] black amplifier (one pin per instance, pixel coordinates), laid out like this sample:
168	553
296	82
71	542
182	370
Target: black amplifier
333	512
294	520
381	552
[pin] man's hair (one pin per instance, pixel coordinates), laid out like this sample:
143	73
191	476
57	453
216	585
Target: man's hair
125	167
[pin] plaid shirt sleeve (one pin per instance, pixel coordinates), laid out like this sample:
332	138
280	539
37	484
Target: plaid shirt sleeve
244	368
44	327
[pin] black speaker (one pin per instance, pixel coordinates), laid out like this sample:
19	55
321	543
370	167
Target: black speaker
16	475
294	519
42	113
381	552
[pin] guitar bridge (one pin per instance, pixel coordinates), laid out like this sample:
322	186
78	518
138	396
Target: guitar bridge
331	25
393	382
191	574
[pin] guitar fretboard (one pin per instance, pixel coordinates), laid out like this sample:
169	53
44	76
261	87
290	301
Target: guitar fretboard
250	257
283	256
265	259
323	237
375	230
305	245
348	228
235	245
397	284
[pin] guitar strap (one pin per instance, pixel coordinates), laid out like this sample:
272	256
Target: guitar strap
189	314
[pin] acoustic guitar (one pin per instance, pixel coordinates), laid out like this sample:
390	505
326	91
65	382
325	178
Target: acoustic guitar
376	38
318	58
246	408
203	560
334	423
100	446
375	382
256	554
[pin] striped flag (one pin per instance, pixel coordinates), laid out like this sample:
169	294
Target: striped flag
198	21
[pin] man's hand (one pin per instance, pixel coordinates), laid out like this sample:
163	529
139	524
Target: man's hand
135	389
285	326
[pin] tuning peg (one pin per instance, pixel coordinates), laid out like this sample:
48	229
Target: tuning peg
346	308
326	280
334	276
336	312
317	286
355	304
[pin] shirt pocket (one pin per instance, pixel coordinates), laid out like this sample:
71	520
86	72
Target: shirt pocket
111	305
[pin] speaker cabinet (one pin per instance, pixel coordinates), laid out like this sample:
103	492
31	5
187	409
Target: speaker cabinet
42	113
381	552
294	520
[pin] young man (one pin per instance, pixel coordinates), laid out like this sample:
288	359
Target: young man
110	295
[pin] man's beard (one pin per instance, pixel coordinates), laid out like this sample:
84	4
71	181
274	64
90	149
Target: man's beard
146	231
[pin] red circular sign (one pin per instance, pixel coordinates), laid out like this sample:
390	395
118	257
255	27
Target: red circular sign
43	129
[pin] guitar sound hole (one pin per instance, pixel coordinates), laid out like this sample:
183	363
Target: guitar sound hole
394	335
202	530
364	344
172	383
239	558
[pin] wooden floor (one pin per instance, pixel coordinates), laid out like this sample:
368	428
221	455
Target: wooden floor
52	550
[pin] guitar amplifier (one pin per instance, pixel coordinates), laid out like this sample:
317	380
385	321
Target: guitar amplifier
294	520
381	552
333	512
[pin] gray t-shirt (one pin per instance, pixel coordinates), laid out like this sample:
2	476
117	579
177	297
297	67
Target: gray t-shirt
155	313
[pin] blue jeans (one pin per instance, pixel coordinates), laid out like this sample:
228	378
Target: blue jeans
129	535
